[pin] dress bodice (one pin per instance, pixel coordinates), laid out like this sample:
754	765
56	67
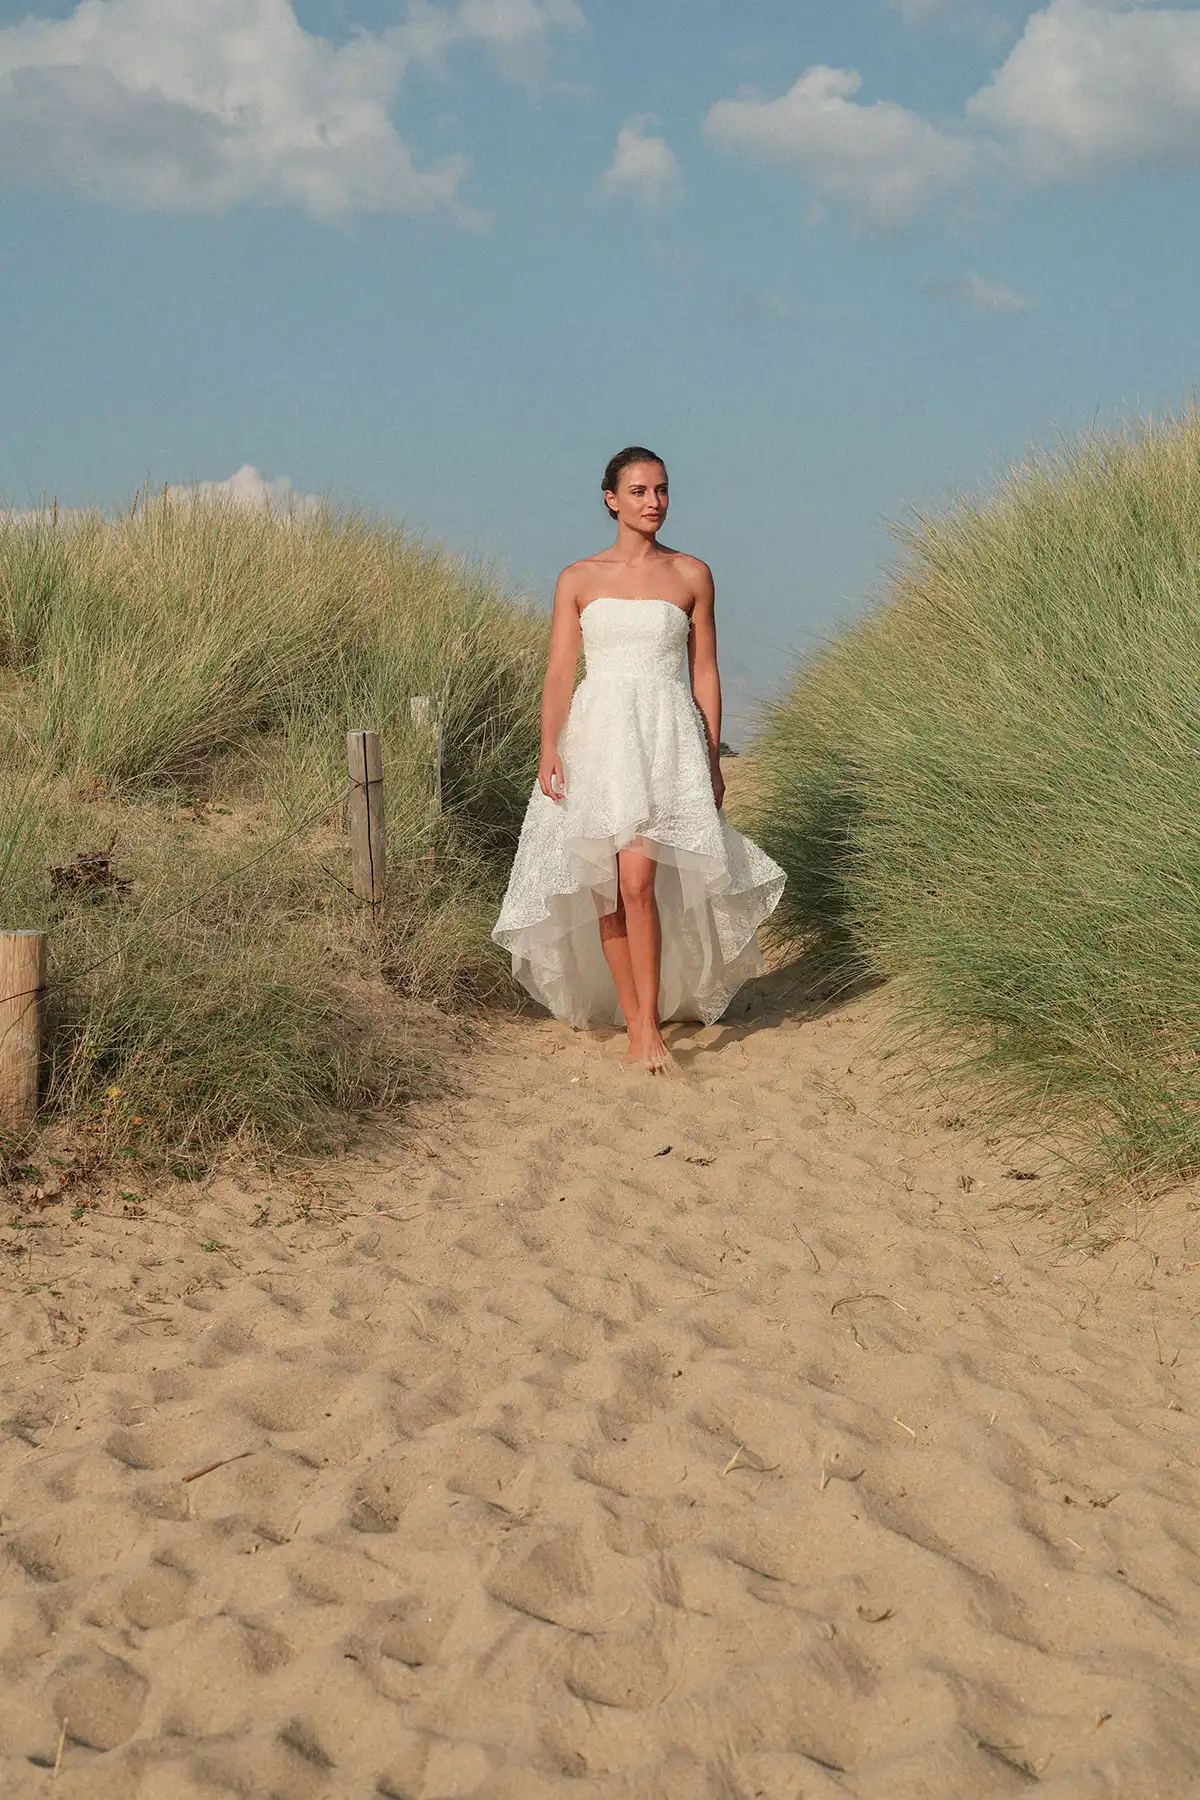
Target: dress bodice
634	639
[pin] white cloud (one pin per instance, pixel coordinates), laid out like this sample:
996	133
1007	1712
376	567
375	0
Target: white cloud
644	167
983	296
49	511
885	162
198	105
517	32
513	22
245	488
1091	86
992	296
248	489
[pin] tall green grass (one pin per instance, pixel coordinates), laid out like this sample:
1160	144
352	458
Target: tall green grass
184	678
988	791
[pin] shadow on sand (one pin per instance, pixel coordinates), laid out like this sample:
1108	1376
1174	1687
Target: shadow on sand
799	990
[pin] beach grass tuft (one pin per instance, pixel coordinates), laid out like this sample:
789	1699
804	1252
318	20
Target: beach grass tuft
987	791
175	688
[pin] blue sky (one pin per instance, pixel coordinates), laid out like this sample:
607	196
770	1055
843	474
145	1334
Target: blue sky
834	260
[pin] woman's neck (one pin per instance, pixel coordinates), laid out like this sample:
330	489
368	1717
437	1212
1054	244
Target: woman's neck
633	547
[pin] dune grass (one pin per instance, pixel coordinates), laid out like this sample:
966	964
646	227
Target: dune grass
988	791
182	679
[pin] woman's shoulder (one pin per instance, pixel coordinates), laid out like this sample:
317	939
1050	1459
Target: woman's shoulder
580	571
692	571
689	565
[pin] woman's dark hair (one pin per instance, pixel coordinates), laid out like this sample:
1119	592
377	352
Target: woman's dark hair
624	459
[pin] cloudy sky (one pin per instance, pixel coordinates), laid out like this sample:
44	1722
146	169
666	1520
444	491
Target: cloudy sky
834	258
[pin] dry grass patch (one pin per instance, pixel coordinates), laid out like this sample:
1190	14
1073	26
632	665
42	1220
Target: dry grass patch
179	684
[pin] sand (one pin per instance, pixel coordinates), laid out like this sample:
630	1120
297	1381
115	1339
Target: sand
760	1435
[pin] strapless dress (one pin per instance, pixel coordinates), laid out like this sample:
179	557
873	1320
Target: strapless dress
636	773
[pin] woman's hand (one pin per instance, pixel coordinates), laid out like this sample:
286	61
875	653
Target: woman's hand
550	776
718	783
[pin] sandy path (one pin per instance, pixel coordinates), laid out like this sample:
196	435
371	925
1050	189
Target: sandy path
774	1466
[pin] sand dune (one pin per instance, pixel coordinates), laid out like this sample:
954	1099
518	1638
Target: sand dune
733	1438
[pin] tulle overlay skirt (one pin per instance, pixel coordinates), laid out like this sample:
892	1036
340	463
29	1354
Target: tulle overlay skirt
636	772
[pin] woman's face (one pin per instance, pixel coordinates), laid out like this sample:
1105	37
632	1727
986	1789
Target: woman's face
641	497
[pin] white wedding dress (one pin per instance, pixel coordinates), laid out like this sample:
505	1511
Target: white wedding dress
636	773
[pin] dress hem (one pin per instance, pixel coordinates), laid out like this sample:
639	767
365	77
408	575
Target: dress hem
540	942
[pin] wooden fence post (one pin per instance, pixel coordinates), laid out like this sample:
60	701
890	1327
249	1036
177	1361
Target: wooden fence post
368	845
419	711
22	978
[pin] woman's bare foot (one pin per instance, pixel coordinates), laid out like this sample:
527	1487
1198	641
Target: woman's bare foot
647	1050
657	1059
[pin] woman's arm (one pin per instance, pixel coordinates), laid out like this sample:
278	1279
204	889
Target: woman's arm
560	680
706	680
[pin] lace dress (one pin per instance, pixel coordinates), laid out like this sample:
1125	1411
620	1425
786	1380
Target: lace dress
636	771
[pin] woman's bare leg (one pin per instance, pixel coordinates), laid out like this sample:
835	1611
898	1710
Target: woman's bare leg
614	941
643	947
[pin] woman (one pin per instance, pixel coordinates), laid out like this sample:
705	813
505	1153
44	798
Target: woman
632	900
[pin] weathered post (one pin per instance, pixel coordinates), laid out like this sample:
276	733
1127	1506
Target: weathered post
368	847
419	711
22	978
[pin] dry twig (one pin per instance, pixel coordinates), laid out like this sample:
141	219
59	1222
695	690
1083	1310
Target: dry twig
222	1464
